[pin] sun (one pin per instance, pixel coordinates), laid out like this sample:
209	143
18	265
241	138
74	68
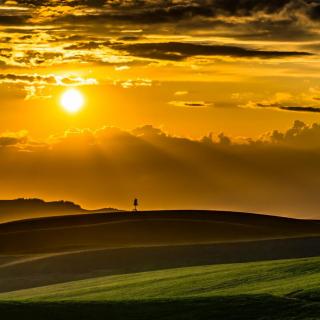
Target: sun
72	100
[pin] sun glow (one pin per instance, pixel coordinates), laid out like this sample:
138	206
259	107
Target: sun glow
72	100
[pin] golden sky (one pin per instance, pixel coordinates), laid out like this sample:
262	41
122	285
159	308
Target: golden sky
186	104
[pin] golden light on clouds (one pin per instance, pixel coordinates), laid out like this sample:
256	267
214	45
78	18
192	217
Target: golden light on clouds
238	70
72	100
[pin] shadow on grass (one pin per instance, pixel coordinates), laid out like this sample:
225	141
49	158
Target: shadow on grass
257	307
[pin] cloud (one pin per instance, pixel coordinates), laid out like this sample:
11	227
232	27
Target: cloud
130	83
260	19
13	139
216	171
181	93
31	57
35	92
27	79
191	104
90	45
294	108
50	79
164	11
283	107
129	38
286	102
122	68
167	171
300	135
34	84
267	18
108	32
177	51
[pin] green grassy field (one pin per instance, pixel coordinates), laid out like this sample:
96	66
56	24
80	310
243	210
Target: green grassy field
160	265
285	289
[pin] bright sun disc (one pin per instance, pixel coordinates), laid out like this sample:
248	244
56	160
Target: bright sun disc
72	100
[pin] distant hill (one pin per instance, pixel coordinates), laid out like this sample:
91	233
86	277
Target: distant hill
20	209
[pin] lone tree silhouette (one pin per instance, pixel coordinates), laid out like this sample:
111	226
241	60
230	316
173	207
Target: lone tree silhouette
135	204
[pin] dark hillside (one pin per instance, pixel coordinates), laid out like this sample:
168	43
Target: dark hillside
91	231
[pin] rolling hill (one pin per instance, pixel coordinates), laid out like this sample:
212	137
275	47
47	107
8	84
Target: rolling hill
45	251
285	289
123	229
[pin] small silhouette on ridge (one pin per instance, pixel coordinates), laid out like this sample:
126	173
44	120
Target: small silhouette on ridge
135	204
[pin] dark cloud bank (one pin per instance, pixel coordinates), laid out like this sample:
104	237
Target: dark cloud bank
267	18
289	108
155	11
278	173
85	25
179	51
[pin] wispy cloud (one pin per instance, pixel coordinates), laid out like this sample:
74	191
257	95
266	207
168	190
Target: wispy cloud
34	84
177	51
130	83
191	104
50	79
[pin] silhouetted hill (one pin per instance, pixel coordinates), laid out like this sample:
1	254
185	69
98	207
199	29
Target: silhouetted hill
37	252
121	229
21	209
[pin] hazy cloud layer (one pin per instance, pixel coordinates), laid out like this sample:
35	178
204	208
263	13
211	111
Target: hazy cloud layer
111	166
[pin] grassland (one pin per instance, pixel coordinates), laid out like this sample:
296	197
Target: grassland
160	265
285	289
46	251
